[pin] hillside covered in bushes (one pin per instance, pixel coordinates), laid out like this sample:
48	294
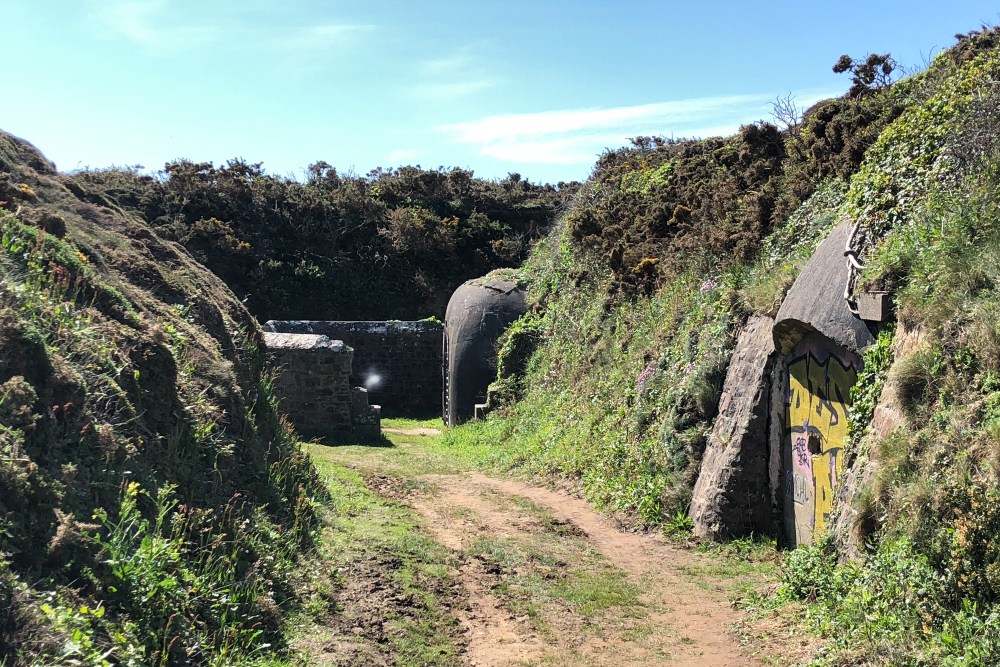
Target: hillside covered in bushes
389	245
645	283
153	502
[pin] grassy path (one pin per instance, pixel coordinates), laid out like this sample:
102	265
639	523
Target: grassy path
424	560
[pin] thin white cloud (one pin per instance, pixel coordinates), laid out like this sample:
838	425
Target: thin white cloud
454	64
451	90
576	136
400	156
451	76
545	123
160	25
323	37
142	22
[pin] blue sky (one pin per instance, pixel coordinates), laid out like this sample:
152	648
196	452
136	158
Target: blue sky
539	88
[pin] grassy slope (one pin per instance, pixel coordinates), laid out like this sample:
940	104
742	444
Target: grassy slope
927	592
619	394
151	499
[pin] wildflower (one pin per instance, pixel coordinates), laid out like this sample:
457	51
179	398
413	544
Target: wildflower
709	285
640	381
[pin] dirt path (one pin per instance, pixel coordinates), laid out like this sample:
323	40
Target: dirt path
522	543
412	431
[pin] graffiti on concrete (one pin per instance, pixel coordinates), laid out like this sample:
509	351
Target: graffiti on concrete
820	377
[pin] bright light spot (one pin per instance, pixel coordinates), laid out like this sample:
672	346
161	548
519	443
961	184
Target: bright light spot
373	381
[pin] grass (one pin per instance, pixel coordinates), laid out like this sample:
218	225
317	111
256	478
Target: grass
379	572
537	573
406	455
544	570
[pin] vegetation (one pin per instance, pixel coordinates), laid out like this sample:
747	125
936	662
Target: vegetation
515	570
152	500
153	504
673	244
395	243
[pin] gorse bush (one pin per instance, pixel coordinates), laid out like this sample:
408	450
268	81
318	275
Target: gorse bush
408	236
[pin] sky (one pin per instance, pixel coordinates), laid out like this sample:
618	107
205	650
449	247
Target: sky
540	88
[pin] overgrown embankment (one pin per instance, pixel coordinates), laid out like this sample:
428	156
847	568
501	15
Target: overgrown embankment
668	249
152	500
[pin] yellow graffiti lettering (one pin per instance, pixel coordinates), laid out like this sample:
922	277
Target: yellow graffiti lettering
816	427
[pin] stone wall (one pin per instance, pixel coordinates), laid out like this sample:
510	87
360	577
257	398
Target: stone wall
312	381
399	363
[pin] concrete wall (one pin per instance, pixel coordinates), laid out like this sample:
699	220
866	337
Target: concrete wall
731	497
399	363
795	388
311	381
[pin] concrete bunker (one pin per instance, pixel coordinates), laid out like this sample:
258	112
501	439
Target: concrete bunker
478	313
783	411
818	377
819	341
408	368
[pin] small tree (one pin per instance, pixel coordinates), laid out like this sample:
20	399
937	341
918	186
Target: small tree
786	113
868	75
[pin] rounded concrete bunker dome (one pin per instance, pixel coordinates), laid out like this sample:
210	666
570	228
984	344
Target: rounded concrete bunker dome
478	313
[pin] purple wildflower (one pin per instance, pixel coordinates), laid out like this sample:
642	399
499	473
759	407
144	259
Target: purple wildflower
640	381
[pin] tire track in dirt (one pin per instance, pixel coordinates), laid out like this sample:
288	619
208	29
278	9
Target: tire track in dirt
691	617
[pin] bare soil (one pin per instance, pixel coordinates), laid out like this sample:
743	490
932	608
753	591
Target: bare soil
517	574
688	619
412	431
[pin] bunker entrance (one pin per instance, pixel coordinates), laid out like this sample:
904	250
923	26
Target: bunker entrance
819	378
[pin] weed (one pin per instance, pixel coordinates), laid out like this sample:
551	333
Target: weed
680	524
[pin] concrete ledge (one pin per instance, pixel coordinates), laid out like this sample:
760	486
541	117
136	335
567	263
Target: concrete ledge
816	300
294	341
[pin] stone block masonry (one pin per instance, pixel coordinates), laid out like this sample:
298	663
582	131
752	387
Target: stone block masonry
399	363
312	383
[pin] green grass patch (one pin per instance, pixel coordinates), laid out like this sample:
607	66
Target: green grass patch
382	585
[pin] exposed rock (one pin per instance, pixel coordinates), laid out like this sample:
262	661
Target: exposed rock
732	497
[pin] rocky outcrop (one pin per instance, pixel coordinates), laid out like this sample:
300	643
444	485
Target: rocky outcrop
732	497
